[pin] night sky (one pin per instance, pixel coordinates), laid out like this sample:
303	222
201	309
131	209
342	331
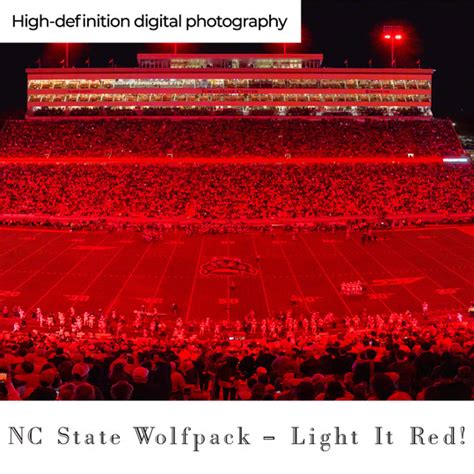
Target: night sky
440	33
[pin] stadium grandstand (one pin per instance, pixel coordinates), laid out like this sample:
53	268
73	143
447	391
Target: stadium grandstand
252	227
199	106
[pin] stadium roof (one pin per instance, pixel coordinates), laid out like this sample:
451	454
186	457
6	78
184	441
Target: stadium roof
145	56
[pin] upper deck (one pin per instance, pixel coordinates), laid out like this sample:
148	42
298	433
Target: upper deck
230	61
241	83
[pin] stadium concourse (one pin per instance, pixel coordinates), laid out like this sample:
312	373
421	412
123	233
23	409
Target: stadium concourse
300	272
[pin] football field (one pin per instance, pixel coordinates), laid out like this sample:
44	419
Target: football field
225	276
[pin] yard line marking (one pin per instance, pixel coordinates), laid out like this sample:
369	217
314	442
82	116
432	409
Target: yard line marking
196	273
162	276
380	264
38	249
439	262
454	254
64	275
325	273
40	270
422	271
109	262
361	277
129	277
259	267
11	249
298	287
455	243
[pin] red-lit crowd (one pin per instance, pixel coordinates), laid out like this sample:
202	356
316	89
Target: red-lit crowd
309	357
235	192
236	137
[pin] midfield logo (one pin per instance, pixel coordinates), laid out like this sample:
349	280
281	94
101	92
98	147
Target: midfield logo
223	266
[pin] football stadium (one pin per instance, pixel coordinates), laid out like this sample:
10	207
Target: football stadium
234	226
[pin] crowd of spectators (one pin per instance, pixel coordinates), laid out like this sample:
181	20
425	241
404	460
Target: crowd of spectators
390	357
231	137
93	111
235	192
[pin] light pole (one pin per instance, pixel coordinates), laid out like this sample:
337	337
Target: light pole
394	34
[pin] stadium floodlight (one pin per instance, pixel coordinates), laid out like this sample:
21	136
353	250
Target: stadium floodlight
392	33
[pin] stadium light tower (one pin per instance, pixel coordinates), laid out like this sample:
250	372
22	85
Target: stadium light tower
394	34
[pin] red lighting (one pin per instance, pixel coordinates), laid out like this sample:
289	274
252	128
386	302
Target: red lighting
387	37
398	37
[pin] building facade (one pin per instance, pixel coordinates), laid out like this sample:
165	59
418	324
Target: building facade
243	85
